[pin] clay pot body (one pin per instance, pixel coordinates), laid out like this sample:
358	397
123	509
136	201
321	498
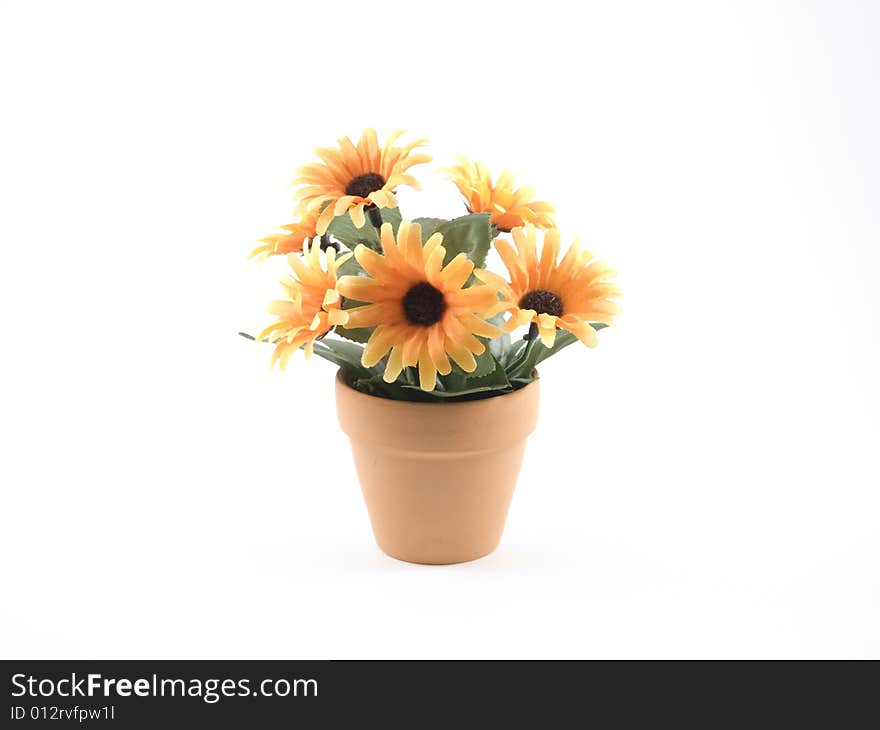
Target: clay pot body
437	478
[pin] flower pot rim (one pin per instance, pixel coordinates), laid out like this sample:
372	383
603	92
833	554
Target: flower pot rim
440	403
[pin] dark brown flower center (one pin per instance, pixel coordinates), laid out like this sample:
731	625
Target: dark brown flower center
424	304
365	184
542	301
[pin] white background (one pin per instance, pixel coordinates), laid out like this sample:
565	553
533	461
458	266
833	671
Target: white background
703	484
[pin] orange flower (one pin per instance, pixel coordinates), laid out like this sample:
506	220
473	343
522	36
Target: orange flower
290	242
419	308
312	305
569	294
352	178
507	205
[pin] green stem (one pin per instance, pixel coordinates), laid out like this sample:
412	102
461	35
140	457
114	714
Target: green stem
254	339
512	370
375	216
327	243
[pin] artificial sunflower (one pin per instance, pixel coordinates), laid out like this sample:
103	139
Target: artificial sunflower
312	305
569	294
291	241
418	306
357	177
507	205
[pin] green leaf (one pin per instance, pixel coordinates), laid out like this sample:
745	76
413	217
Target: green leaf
373	386
355	334
564	338
455	381
469	234
343	229
499	346
487	376
347	350
346	355
496	378
399	390
517	348
535	352
429	225
358	334
407	388
485	364
254	339
350	268
459	383
522	369
470	390
392	216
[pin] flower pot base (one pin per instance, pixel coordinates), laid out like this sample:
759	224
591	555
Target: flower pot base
448	560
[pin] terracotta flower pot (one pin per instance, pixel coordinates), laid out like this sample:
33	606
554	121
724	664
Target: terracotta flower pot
437	477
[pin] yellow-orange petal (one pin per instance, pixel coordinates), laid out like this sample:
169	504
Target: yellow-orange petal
394	365
357	215
582	330
343	204
427	371
324	220
547	329
457	271
380	342
463	357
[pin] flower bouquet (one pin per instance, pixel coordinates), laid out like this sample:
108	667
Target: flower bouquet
436	394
